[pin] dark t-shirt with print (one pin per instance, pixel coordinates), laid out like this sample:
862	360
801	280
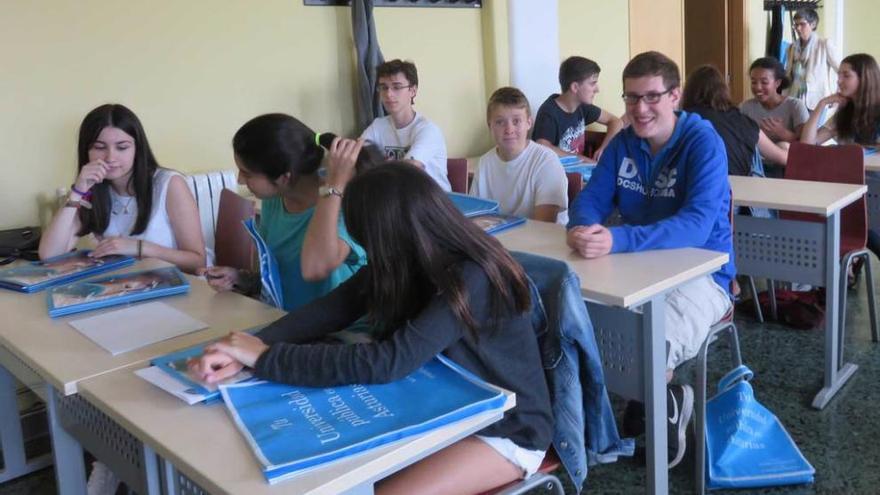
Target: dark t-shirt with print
564	130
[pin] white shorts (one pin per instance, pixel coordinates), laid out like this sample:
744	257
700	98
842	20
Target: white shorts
527	460
691	309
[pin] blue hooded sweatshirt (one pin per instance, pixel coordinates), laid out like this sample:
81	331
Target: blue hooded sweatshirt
678	198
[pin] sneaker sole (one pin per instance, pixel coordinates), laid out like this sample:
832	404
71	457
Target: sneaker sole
687	410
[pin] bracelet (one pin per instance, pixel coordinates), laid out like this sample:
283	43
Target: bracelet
85	195
140	249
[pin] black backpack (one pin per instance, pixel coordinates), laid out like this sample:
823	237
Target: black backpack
19	243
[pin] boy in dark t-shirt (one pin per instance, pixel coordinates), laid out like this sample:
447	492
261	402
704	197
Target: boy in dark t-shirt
562	120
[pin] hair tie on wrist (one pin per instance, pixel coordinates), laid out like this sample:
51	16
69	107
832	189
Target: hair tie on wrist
318	139
85	195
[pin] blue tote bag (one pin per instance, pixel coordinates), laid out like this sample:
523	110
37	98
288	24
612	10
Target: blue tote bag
747	445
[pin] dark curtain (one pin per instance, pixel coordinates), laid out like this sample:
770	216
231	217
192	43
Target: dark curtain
369	56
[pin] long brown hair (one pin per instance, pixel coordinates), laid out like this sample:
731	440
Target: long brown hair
416	241
706	87
859	118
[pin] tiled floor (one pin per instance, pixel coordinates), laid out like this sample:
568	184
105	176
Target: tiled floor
839	441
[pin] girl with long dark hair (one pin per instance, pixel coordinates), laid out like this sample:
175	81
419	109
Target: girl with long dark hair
434	283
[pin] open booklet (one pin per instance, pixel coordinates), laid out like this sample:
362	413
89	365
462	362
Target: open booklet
494	223
114	290
270	277
171	374
296	429
38	275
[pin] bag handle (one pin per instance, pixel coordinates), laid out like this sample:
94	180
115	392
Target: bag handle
734	376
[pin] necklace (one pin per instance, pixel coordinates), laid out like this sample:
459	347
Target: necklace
120	208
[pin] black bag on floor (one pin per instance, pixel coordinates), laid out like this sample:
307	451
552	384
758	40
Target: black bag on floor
19	243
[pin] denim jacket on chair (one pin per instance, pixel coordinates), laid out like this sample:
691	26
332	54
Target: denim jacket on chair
585	431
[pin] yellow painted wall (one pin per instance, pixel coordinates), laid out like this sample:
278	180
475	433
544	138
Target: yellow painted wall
598	30
195	71
657	25
861	33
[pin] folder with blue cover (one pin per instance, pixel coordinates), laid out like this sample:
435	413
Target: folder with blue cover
114	290
295	429
494	223
38	275
471	206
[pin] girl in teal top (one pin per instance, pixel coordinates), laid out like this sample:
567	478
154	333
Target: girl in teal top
278	159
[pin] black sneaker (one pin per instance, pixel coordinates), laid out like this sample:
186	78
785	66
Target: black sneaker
633	419
680	408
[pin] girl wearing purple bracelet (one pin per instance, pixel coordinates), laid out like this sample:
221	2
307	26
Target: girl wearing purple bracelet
125	199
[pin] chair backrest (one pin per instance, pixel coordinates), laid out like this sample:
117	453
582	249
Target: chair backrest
843	164
233	245
592	141
206	188
457	173
575	184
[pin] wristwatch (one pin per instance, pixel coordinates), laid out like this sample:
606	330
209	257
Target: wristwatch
325	191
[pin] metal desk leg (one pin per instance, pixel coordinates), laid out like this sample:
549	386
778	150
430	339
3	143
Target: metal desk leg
15	462
654	347
70	471
836	373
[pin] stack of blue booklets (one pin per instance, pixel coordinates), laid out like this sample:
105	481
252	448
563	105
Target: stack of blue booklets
471	206
114	290
493	223
38	275
573	164
270	276
295	429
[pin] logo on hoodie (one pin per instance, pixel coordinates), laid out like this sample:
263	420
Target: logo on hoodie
627	178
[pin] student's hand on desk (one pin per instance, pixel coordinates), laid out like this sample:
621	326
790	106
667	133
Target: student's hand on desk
115	245
343	157
213	367
243	347
590	241
221	278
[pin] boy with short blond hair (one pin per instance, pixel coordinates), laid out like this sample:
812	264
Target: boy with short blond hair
561	122
523	176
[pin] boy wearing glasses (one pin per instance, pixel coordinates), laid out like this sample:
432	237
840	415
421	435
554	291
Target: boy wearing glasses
561	122
404	134
667	176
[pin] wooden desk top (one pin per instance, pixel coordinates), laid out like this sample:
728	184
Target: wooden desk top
204	444
62	356
625	279
822	198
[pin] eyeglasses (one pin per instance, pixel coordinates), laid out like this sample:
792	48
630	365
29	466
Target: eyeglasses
394	88
650	98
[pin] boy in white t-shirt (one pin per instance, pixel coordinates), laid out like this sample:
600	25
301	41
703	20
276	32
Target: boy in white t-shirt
404	134
524	177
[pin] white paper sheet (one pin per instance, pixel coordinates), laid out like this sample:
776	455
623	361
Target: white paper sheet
136	326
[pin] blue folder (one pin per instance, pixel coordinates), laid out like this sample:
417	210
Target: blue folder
471	206
292	429
38	275
102	292
175	366
494	223
270	274
585	169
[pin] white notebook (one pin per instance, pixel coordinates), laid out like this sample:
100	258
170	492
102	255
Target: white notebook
136	326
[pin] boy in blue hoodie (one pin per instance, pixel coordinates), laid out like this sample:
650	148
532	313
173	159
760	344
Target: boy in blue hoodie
667	176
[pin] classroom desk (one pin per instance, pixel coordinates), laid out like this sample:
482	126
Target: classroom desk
797	251
872	198
625	294
203	452
52	358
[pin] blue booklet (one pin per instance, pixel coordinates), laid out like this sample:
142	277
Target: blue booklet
585	169
38	275
171	373
471	205
270	276
293	429
96	293
494	223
